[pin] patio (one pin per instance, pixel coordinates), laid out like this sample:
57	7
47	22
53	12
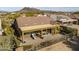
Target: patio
39	43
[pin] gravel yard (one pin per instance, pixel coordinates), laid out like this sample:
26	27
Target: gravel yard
57	47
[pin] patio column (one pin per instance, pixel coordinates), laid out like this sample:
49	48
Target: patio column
52	31
41	33
77	23
23	36
46	31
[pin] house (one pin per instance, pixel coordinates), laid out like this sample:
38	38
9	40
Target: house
38	25
68	21
64	19
76	17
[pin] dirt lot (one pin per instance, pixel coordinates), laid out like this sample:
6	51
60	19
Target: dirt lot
57	47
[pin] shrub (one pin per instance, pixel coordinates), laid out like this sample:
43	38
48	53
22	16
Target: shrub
9	31
8	43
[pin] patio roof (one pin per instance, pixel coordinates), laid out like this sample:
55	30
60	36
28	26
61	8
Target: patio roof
36	27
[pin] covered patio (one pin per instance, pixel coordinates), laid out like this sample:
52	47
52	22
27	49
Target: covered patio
39	30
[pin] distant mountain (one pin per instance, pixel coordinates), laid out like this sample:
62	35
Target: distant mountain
3	12
38	11
28	9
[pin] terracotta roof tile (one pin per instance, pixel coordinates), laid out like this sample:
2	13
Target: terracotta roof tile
31	21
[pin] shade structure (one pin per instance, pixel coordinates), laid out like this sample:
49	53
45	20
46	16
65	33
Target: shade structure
36	28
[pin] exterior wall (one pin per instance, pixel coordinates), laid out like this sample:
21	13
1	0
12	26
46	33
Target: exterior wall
19	49
18	32
24	48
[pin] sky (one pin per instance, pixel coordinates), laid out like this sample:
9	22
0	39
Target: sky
10	8
65	9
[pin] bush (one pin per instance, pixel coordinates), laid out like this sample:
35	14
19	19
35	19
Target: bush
69	31
8	43
9	31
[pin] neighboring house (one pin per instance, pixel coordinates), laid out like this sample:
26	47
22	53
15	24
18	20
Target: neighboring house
64	19
68	21
76	17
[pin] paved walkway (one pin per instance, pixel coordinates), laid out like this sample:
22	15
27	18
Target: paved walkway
57	47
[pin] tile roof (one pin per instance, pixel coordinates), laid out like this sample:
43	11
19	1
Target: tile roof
31	21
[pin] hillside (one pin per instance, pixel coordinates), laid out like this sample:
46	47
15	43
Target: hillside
28	9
